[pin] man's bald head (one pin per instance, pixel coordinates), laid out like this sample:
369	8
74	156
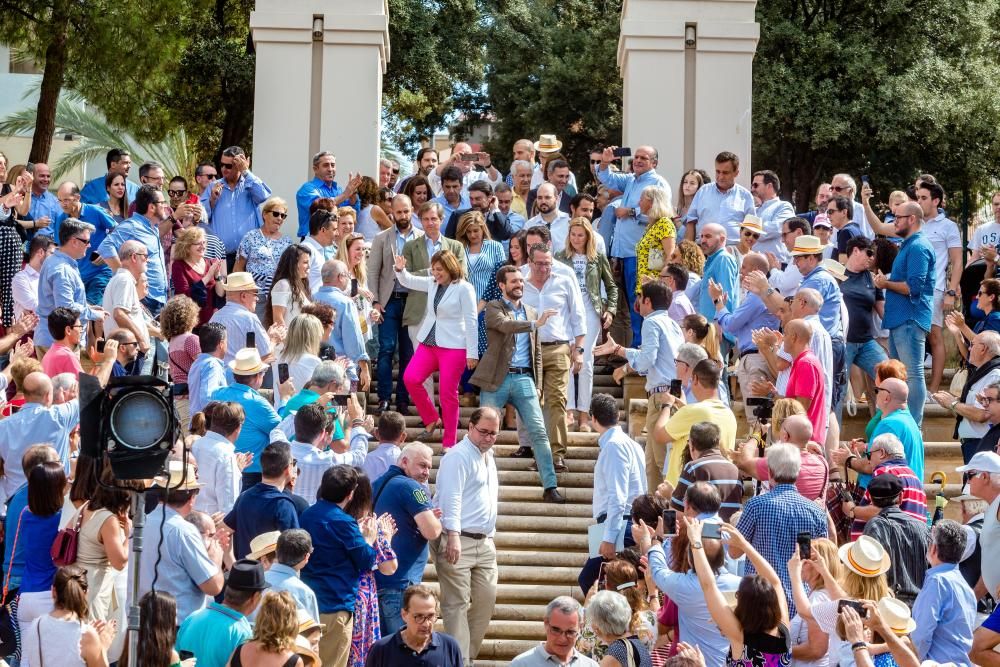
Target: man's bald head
911	208
897	389
714	228
69	188
755	261
798	428
38	388
798	328
547	188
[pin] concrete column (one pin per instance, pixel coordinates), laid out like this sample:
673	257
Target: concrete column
318	87
687	70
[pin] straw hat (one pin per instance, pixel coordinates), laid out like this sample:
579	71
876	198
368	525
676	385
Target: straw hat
177	480
897	616
865	557
239	282
263	544
807	245
306	622
730	597
835	268
753	223
304	649
247	362
547	143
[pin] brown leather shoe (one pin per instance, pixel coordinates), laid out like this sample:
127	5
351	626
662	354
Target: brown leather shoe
559	464
552	495
522	452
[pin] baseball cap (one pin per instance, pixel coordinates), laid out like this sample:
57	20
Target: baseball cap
982	462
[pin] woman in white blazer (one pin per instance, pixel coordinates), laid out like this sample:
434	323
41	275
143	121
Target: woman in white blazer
447	341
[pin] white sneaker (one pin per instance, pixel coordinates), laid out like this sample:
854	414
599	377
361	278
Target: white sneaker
927	361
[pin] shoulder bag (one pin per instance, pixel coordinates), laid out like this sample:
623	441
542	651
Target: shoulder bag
63	551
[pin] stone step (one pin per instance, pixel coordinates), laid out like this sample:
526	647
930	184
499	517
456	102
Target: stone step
506	442
521	465
539	558
527	478
502	651
540	594
527	574
519	612
533	494
573	510
549	539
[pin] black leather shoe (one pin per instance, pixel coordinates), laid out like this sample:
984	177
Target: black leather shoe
559	464
553	496
382	407
522	452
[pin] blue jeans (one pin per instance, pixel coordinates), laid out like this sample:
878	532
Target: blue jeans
837	347
908	343
390	333
865	356
390	610
592	568
519	390
629	271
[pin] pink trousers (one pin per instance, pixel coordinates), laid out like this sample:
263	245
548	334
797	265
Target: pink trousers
450	365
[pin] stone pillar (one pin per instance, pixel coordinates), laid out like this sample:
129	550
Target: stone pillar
318	87
687	67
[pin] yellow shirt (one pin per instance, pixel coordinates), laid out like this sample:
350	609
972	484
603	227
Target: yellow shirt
679	428
519	206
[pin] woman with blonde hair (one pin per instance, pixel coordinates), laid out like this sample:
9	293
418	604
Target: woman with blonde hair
592	270
656	246
260	249
273	642
810	645
783	409
195	276
353	251
301	349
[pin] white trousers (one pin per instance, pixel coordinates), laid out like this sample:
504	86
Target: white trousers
579	396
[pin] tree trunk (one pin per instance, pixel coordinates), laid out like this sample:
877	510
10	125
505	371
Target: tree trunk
56	55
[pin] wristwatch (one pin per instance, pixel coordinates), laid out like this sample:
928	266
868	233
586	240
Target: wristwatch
579	350
769	292
636	212
950	292
696	545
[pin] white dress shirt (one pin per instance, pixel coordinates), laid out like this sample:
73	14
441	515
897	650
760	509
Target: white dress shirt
218	472
562	294
380	458
25	289
468	489
619	477
559	228
313	462
773	214
121	294
661	338
317	257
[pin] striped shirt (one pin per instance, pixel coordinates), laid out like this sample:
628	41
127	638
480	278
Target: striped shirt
483	269
913	500
714	468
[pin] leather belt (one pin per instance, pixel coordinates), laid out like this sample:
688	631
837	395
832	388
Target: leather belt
520	370
752	350
400	295
473	536
604	515
556	342
662	389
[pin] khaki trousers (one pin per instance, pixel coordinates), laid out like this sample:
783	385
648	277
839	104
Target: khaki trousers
656	454
468	593
335	644
750	368
555	385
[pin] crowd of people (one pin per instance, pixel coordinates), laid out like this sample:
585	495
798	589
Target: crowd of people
294	521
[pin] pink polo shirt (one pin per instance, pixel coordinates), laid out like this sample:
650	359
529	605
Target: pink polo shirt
807	380
61	359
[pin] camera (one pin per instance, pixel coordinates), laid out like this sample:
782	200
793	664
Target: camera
763	406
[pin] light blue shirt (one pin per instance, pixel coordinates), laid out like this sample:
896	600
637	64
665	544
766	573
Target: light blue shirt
729	208
346	336
432	245
721	267
522	341
206	375
236	210
380	458
239	322
309	192
696	624
750	315
94	193
181	565
60	285
103	223
773	214
628	231
619	477
35	424
661	337
463	202
284	578
213	633
139	228
820	280
945	612
44	205
260	420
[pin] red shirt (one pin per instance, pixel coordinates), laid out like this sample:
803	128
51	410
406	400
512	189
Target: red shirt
807	380
812	478
61	359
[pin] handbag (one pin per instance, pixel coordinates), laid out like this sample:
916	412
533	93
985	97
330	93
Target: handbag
958	381
8	604
63	551
654	261
836	493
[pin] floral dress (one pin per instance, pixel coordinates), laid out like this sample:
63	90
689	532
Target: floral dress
652	240
763	650
366	621
591	646
262	255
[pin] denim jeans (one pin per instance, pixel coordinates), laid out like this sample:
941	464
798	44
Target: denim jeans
592	568
520	391
390	334
865	356
629	272
390	610
837	348
908	343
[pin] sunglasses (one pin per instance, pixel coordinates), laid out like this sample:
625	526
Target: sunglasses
176	193
227	165
831	211
278	214
839	188
870	252
750	234
595	162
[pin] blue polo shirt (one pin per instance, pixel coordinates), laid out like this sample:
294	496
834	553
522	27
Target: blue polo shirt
392	651
15	505
340	555
902	425
823	282
914	265
213	633
260	420
44	206
140	228
404	499
260	509
103	225
721	267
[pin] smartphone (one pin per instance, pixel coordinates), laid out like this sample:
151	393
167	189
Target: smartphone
192	199
354	287
711	531
29	167
100	346
282	373
601	578
623	151
185	655
669	522
675	388
854	604
251	339
864	179
804	541
341	399
470	157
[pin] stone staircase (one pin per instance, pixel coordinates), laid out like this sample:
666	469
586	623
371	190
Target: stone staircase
541	546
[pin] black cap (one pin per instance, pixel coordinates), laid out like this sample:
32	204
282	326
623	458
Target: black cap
885	486
247	575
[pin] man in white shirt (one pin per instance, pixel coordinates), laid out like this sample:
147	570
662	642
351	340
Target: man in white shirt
469	175
466	558
323	228
773	211
240	318
25	283
219	466
122	307
787	280
391	434
562	341
985	239
550	216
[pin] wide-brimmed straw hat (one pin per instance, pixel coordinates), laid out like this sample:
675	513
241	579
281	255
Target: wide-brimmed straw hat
263	544
240	281
753	223
247	362
807	245
835	268
177	480
865	557
897	616
547	143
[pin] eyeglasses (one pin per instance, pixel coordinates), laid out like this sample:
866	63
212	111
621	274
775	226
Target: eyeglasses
568	634
485	434
420	619
77	326
595	162
85	241
870	252
127	344
831	211
839	188
986	400
176	193
227	165
278	214
903	217
750	234
208	175
396	172
159	201
144	255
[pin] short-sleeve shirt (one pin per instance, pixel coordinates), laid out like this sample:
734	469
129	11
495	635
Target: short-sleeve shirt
714	468
812	475
262	255
260	509
213	633
121	293
844	235
679	427
808	380
984	235
404	499
943	235
860	297
61	359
